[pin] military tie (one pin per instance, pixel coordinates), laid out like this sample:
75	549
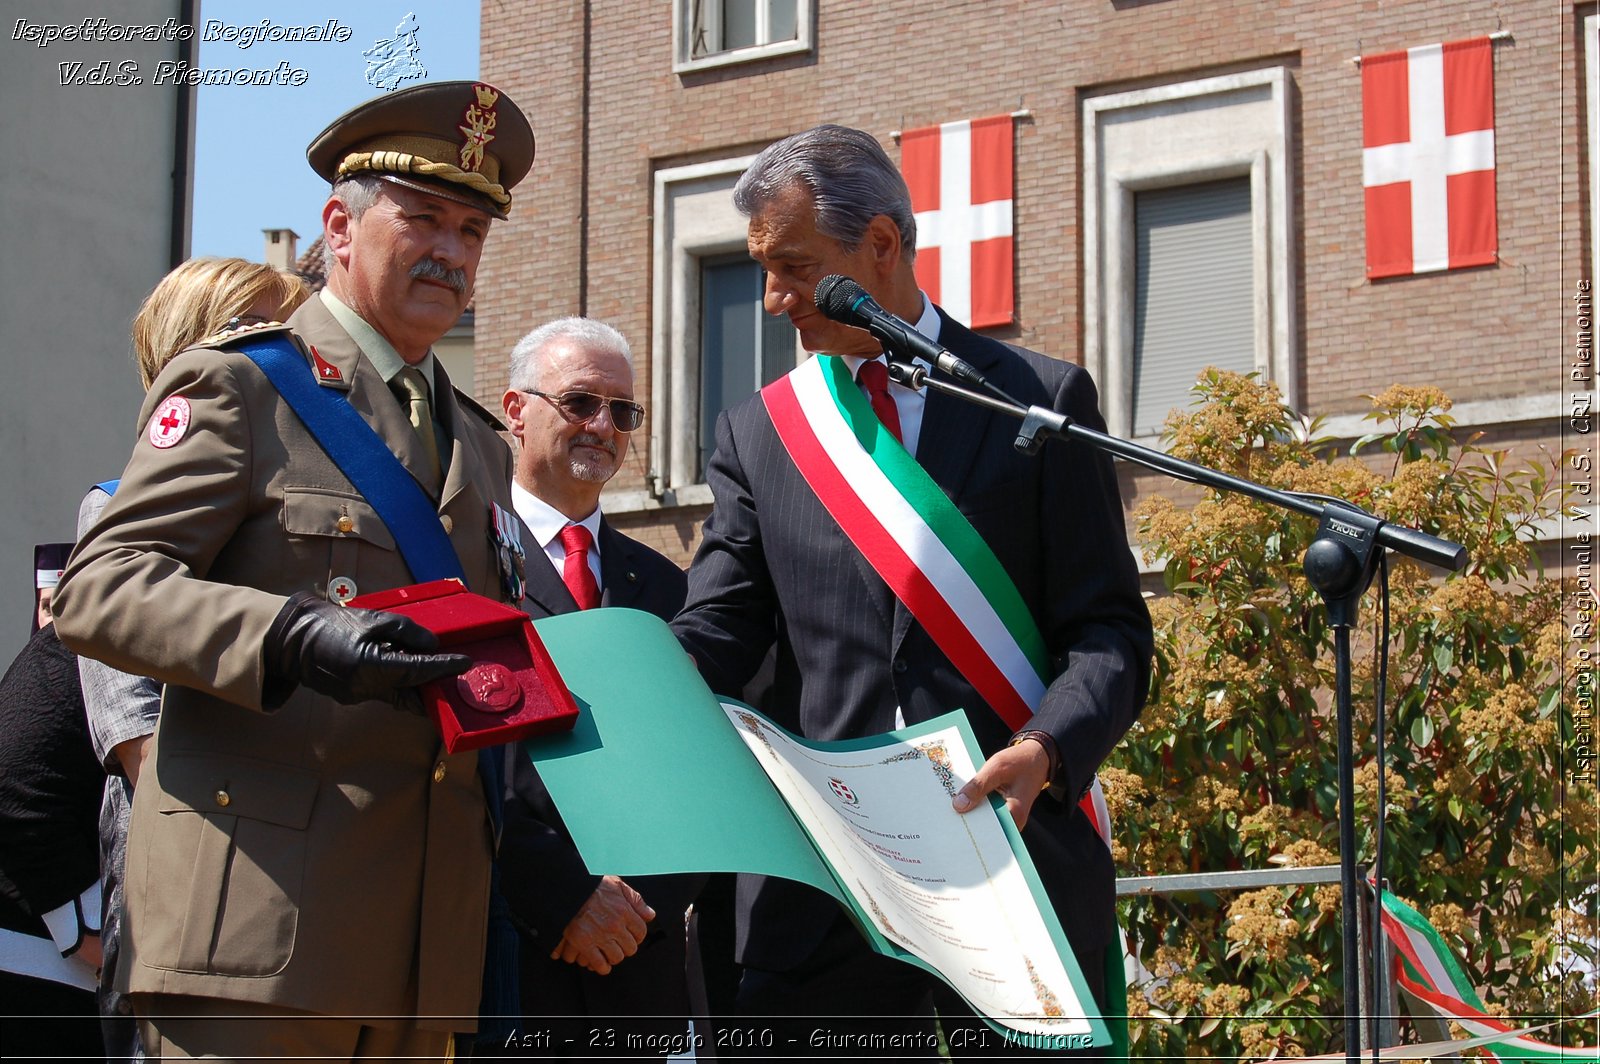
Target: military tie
575	571
412	391
874	377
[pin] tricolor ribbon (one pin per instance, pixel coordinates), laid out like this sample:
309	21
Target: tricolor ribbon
1428	970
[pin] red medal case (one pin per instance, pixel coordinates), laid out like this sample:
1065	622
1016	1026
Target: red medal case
512	691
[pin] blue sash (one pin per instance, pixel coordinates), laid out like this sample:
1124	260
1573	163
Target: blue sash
109	486
377	474
364	459
413	520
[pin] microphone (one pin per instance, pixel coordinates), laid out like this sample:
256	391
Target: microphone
843	300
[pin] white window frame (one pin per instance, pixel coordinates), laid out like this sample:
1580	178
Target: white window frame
679	244
1196	144
683	28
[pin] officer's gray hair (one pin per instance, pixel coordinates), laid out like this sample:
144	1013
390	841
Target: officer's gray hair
850	177
527	356
357	193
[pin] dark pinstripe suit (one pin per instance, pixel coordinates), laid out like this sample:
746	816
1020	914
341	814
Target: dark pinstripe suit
775	568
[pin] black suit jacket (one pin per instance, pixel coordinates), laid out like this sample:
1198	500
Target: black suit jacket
775	569
543	877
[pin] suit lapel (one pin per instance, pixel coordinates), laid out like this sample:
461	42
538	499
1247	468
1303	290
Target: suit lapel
952	428
464	455
545	588
623	582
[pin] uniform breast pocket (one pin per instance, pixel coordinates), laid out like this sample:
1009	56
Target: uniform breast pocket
226	864
332	530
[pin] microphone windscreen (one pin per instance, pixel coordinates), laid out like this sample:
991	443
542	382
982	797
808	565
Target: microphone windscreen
837	297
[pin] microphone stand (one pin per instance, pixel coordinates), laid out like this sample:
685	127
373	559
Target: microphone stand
1340	564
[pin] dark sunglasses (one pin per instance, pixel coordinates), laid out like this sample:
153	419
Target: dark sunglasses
580	408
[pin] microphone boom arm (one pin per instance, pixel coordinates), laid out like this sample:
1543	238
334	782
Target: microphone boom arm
1039	421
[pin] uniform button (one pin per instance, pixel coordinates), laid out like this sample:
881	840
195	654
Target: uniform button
448	523
223	799
438	772
899	665
345	525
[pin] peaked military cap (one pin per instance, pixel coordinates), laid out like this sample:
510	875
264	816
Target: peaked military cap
462	140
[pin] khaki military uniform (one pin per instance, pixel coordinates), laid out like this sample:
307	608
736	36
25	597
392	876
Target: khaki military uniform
320	857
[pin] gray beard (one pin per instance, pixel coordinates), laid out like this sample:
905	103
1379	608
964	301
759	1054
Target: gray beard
592	470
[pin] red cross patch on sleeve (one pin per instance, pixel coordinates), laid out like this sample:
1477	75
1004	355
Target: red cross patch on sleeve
169	423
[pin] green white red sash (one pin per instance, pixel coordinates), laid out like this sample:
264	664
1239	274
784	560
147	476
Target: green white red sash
916	540
1426	968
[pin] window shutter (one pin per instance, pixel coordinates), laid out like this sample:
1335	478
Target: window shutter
1195	301
742	349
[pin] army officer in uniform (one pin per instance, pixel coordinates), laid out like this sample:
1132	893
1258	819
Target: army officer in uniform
308	869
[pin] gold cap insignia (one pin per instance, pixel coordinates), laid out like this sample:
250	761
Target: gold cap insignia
477	130
463	140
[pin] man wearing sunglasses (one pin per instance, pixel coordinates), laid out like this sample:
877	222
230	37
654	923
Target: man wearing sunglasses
592	946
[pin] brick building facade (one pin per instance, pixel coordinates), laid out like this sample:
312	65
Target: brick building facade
645	115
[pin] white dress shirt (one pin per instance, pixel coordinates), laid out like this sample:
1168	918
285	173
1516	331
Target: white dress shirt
546	523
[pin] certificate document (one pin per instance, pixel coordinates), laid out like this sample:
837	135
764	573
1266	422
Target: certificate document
943	886
661	776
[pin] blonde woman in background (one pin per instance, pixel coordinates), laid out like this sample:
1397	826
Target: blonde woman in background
201	297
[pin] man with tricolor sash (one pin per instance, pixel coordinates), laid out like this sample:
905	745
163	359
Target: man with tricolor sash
904	560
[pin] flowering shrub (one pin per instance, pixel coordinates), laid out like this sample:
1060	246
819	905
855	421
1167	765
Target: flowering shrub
1233	764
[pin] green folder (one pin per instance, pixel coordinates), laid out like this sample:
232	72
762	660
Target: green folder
654	779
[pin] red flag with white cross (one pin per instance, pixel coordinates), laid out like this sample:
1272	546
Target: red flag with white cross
1428	157
960	177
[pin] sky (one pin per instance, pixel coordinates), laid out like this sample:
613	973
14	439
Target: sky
250	141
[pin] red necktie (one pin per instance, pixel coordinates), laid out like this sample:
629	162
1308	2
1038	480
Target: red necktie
874	376
575	571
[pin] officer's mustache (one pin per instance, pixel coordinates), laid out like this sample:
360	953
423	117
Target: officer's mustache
429	270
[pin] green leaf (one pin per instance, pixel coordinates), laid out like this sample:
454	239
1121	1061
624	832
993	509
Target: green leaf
1369	438
1443	656
1422	730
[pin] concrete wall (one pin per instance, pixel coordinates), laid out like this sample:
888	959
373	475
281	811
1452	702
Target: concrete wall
86	206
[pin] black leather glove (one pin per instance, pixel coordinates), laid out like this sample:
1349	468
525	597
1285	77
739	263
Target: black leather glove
350	655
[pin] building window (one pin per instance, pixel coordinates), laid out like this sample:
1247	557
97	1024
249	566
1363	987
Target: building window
1194	294
712	33
742	348
1206	278
711	344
